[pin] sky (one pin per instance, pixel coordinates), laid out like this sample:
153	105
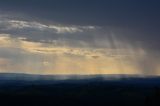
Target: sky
80	37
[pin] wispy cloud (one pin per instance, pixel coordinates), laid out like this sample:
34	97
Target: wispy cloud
19	24
48	49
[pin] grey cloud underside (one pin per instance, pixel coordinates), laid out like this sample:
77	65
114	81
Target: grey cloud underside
134	14
56	34
135	22
61	35
75	36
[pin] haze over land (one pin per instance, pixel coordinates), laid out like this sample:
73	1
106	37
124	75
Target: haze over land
80	37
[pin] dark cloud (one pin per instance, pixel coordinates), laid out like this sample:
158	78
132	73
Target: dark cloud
136	21
104	12
130	25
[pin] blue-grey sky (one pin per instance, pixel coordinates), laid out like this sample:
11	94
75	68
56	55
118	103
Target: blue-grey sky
102	36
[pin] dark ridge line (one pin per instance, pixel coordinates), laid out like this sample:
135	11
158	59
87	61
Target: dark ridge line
102	75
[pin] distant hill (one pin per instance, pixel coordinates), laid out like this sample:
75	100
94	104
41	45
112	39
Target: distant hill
78	90
117	79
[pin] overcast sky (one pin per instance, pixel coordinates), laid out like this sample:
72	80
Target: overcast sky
80	36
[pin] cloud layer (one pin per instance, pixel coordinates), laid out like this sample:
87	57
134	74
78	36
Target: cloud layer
82	37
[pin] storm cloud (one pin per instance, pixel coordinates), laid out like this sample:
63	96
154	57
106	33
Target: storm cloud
103	37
